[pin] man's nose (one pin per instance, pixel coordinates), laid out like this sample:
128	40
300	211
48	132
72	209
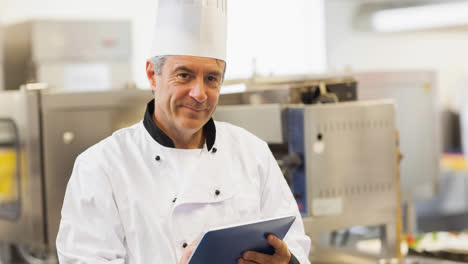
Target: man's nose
198	90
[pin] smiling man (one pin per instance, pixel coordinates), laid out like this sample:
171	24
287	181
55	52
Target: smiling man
146	193
187	94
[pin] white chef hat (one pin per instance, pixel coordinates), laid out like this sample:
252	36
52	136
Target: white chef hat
190	27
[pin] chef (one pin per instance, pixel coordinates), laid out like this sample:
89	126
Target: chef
146	193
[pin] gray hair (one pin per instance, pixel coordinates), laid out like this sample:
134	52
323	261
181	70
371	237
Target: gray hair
158	63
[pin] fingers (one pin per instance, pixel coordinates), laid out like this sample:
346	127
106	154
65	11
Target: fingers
255	257
279	245
241	261
244	261
282	254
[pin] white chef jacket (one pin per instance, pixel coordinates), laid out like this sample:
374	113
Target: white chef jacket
126	203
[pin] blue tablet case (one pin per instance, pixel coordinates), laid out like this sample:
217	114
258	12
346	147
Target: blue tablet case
228	244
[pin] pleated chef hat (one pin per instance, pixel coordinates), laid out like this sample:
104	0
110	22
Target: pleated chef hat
190	27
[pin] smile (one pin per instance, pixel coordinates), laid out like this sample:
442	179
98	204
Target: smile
194	109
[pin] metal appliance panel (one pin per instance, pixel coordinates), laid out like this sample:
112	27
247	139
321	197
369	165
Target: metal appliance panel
22	107
72	122
82	40
74	77
16	52
348	175
417	122
2	84
264	121
49	51
287	92
350	159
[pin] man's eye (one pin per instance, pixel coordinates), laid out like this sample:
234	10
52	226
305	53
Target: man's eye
212	79
184	75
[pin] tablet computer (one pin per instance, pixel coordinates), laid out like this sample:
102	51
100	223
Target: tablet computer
227	244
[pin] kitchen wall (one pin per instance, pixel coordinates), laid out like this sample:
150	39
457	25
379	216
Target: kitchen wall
441	50
276	37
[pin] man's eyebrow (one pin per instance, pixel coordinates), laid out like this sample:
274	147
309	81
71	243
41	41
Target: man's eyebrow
188	70
214	73
183	69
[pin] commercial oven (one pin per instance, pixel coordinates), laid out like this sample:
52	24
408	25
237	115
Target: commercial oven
41	133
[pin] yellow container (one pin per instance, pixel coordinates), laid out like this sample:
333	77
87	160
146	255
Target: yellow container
8	178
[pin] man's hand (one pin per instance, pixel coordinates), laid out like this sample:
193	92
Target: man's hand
281	256
188	251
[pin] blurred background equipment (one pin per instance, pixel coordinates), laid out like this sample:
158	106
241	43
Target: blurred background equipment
68	55
41	134
418	123
9	170
62	65
464	127
337	154
1	59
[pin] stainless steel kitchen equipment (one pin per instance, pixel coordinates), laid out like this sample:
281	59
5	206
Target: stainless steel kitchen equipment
20	125
350	172
417	120
291	90
41	133
340	160
68	55
1	60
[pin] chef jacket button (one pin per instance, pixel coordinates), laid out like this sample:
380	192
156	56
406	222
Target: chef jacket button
157	158
184	245
214	150
217	192
175	199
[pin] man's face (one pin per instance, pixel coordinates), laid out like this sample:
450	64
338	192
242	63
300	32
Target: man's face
186	92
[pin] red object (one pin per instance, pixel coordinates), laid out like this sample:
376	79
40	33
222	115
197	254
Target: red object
410	239
108	43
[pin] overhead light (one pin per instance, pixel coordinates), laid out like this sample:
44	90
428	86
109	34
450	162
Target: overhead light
421	17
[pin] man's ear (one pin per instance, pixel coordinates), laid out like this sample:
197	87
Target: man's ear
150	75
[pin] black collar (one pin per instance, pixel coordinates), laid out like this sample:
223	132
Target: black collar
157	134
